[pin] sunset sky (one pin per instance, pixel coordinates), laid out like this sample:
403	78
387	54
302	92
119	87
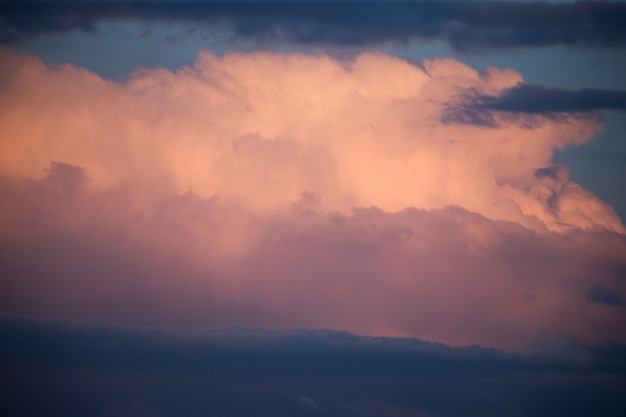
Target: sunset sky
382	208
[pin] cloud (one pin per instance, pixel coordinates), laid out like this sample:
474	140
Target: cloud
308	404
479	109
290	190
263	129
465	26
93	369
600	294
537	99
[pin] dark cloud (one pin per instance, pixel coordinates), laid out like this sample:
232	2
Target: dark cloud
531	100
61	369
551	172
465	26
468	116
600	294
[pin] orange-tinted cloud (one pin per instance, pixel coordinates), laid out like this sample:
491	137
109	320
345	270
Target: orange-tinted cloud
299	191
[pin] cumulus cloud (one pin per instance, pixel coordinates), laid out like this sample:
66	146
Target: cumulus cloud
466	26
264	128
291	190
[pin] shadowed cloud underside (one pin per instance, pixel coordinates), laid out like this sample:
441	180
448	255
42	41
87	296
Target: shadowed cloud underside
110	371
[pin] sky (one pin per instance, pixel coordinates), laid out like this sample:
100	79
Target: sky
298	208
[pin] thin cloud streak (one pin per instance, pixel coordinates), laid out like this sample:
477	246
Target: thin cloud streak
479	109
465	26
538	99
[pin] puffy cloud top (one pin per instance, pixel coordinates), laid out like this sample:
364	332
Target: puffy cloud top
263	129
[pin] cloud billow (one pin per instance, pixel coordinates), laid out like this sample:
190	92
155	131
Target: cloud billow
293	190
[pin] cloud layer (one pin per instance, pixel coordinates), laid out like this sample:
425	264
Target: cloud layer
466	26
116	372
300	191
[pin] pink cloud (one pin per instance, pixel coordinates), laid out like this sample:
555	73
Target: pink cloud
299	191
